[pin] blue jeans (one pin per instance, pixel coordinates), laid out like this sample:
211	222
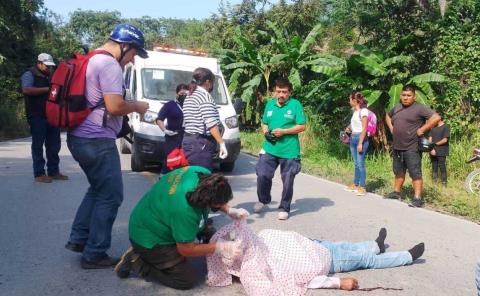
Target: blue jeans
266	166
347	256
359	160
93	222
44	134
477	278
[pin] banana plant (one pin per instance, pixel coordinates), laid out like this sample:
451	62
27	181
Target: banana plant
249	71
294	53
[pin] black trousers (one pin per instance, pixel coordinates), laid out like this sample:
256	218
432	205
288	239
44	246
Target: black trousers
166	266
199	150
266	166
439	167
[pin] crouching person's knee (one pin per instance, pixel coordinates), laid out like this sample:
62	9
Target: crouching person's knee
187	280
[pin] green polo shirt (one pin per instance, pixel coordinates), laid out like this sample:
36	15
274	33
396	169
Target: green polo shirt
286	116
163	216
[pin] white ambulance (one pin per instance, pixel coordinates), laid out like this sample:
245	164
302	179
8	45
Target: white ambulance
154	80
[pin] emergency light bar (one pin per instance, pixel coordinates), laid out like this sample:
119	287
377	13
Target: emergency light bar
180	51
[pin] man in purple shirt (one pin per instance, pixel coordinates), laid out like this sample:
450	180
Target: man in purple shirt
92	145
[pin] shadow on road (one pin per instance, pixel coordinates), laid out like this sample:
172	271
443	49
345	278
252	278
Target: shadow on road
309	205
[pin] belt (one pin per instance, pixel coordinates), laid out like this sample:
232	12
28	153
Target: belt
198	135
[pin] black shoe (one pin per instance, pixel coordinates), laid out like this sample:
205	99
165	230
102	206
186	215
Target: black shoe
106	262
417	251
382	234
124	267
417	203
78	248
394	195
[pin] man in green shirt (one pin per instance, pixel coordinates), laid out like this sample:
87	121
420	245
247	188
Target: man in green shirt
282	121
166	221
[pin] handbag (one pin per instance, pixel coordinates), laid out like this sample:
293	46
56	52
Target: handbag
344	138
176	159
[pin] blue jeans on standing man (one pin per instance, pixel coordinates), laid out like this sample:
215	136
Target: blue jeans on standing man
477	278
359	159
93	222
347	256
266	166
44	134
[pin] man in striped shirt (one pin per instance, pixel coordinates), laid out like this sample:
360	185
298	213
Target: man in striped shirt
202	122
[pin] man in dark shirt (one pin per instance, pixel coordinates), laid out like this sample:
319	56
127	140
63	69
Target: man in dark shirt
407	122
439	136
35	88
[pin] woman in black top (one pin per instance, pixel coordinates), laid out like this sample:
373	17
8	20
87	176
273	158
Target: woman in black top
440	136
173	113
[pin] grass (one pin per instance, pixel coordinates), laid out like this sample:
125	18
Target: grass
331	160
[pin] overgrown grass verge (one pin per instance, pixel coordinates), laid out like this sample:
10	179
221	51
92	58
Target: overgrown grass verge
331	160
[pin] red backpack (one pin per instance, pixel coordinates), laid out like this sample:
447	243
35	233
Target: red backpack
67	105
176	159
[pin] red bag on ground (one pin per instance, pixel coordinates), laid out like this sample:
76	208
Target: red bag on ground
67	105
176	159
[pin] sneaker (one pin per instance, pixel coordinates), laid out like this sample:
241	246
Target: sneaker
351	188
78	248
106	262
59	177
43	179
258	207
416	203
394	195
361	191
124	267
282	215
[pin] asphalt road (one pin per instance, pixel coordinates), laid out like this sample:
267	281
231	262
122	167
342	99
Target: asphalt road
35	220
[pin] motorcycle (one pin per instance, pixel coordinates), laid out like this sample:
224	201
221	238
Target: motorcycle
472	182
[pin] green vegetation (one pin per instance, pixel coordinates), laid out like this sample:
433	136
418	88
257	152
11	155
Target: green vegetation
327	48
331	160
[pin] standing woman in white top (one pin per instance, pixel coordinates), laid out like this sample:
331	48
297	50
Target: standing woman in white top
202	122
358	142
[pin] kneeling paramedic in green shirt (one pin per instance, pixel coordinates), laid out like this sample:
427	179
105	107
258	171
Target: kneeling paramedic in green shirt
165	222
282	121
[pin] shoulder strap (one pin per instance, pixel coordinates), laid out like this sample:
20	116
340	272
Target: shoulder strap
90	55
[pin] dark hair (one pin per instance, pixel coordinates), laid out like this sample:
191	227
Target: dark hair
361	100
211	189
199	77
409	87
180	87
283	82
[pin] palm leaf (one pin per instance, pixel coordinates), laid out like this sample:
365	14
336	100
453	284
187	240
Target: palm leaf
233	81
325	70
277	58
372	96
366	52
238	65
394	94
426	89
310	39
254	82
370	66
421	97
294	78
427	77
395	60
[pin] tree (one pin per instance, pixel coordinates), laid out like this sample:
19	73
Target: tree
381	80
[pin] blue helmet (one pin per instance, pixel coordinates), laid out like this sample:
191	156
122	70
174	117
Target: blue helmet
125	33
